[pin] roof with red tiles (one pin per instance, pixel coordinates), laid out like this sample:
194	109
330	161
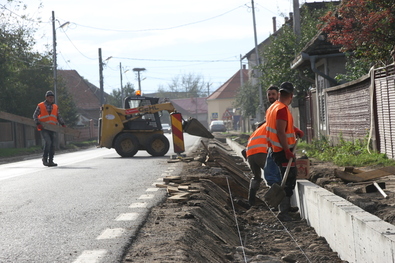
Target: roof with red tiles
84	95
230	88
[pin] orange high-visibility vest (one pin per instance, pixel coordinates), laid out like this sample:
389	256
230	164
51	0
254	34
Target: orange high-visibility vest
271	118
46	117
257	143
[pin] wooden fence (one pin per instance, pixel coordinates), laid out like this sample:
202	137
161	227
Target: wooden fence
21	132
364	108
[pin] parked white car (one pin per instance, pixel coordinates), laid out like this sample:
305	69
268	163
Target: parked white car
217	126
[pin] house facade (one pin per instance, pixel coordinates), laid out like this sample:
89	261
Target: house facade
221	101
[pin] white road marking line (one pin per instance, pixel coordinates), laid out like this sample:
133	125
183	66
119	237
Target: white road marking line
91	256
111	233
146	196
127	217
152	189
138	205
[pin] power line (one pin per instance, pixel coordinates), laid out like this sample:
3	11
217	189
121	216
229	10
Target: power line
179	60
165	28
76	47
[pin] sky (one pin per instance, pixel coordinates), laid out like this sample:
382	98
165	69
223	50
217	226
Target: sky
169	38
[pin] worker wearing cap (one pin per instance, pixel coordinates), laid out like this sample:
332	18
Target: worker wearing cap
256	153
48	112
281	136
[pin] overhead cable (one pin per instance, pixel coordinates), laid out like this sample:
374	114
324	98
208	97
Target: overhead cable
160	29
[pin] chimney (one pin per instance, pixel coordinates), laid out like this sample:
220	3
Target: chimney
286	19
274	24
291	16
244	66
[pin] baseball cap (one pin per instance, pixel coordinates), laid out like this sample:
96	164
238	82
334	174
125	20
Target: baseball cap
49	93
287	87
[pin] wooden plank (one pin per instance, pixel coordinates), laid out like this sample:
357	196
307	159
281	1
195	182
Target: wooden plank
183	187
365	176
179	197
172	189
30	122
161	185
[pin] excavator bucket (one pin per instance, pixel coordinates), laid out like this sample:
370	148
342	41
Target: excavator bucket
194	127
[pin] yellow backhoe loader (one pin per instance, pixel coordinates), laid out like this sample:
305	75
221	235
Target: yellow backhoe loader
138	127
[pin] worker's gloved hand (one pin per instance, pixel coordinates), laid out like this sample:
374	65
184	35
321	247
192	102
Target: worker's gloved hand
289	154
299	133
64	125
40	126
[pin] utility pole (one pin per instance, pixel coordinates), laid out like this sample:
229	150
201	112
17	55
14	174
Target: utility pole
101	78
138	75
55	66
241	72
258	63
120	72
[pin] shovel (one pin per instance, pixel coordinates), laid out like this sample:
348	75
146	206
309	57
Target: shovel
276	193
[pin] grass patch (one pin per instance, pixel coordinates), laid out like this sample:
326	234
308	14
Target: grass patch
11	152
345	153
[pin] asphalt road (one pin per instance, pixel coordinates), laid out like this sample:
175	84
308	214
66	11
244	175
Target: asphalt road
85	210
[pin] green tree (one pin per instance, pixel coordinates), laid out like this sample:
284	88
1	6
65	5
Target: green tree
67	107
247	100
25	75
278	54
115	97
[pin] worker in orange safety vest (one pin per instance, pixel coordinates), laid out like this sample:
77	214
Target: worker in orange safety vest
48	112
281	136
256	153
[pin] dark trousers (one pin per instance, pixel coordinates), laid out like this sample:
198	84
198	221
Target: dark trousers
281	161
49	144
257	163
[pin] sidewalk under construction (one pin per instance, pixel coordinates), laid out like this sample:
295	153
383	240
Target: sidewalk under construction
356	235
206	218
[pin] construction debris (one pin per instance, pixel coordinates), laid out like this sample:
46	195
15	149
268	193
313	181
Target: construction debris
354	175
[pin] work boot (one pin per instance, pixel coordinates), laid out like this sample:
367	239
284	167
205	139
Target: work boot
51	163
254	187
45	162
283	207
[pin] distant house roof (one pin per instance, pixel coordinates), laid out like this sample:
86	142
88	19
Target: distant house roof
86	96
230	88
191	106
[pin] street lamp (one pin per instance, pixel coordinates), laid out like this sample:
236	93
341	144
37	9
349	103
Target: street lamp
55	66
138	75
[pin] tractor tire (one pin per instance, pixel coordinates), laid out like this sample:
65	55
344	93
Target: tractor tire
126	145
157	145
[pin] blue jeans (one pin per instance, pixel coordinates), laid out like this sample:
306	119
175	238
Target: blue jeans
49	144
271	172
